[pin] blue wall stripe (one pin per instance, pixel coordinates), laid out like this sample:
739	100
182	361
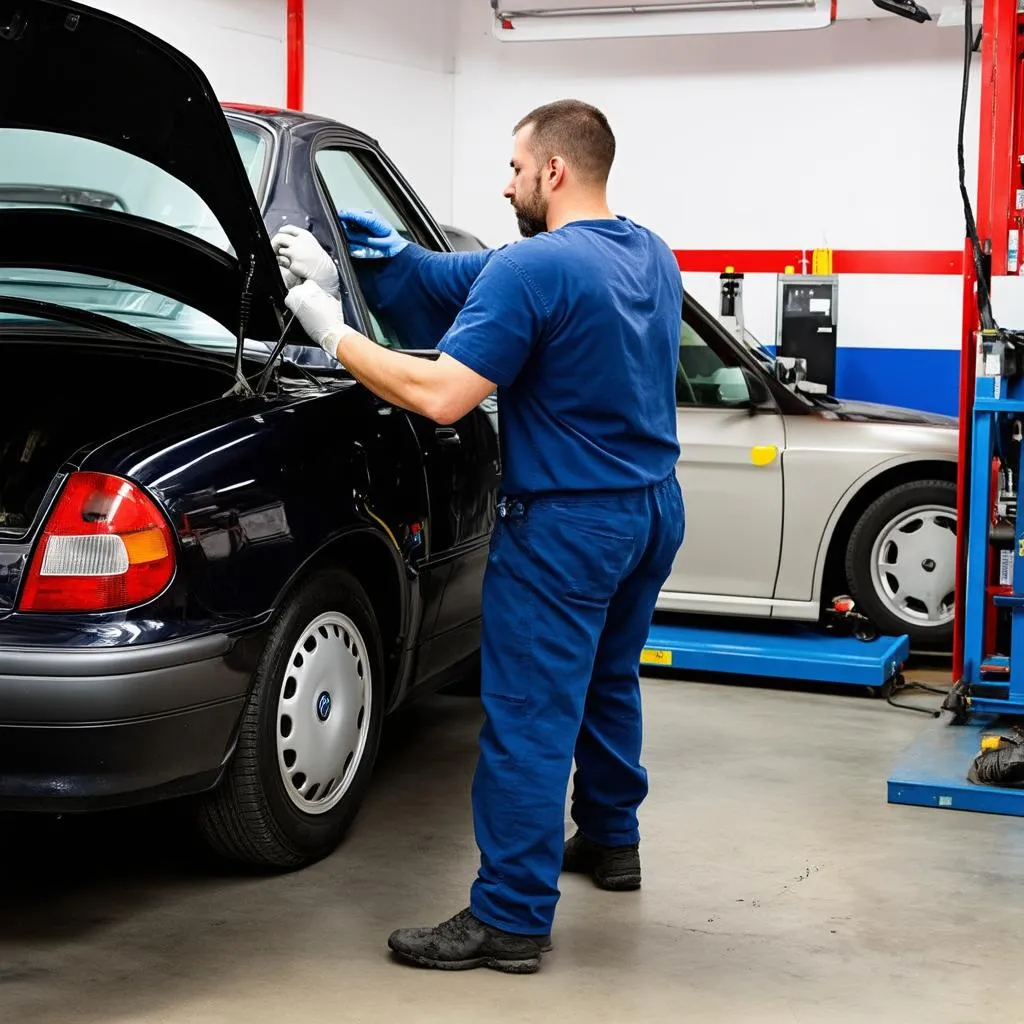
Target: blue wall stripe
916	378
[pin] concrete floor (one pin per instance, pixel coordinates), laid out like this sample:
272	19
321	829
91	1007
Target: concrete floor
778	886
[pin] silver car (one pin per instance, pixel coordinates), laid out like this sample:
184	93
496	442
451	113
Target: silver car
794	497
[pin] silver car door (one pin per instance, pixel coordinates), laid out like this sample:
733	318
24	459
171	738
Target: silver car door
731	473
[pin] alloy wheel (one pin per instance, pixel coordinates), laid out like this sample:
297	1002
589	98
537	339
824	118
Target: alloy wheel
913	565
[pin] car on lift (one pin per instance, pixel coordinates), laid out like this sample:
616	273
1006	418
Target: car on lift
221	564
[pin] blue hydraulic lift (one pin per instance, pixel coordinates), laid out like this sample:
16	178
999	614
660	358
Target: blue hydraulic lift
971	757
779	651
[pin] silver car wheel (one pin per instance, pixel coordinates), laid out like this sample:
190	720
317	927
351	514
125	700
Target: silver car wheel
913	565
323	714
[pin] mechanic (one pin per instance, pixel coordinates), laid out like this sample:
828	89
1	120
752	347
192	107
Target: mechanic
578	328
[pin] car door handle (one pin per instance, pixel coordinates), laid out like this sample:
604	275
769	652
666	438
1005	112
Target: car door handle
447	437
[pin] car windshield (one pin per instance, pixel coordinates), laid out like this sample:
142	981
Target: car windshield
46	169
757	349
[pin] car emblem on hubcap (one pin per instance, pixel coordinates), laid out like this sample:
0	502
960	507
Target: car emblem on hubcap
323	706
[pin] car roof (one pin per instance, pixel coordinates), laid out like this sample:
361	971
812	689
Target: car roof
283	119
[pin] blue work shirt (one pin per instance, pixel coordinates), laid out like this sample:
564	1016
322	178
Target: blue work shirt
579	328
420	291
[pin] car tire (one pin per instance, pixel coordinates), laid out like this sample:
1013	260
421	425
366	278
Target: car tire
902	578
266	812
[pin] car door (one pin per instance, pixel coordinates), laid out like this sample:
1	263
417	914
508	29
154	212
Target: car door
460	461
731	472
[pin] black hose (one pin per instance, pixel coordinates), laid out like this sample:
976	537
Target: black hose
984	299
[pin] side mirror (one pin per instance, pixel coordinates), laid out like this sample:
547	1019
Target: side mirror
905	9
790	370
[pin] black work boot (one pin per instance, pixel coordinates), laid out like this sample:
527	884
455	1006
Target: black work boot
464	941
616	868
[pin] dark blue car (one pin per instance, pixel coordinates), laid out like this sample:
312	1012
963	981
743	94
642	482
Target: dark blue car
222	561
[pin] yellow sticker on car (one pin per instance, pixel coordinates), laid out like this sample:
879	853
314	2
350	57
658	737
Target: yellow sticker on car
649	656
763	454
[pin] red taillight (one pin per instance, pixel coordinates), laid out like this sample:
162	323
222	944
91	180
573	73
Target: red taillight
105	546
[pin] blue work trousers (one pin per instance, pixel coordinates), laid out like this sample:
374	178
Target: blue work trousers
568	596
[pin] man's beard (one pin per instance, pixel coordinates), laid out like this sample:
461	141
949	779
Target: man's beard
532	215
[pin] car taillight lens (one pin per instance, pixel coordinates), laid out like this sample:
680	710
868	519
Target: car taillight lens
106	545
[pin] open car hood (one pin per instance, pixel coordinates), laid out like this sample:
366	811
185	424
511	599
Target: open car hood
72	70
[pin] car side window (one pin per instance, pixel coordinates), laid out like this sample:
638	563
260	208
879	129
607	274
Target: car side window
703	378
350	185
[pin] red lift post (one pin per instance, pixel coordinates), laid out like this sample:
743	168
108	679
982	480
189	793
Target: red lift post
1000	217
295	56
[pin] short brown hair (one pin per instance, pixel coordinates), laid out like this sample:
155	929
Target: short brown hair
575	131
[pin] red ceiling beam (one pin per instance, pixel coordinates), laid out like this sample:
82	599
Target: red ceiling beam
296	52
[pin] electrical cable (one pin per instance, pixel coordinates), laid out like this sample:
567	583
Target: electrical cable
902	686
387	529
984	299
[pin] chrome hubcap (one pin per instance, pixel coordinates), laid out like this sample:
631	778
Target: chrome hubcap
913	565
323	714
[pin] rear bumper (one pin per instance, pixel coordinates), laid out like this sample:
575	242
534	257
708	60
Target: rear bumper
89	728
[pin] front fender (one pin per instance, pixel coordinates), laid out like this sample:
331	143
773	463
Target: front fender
849	496
824	472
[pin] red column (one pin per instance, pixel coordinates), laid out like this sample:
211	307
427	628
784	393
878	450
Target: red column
967	367
295	54
998	180
999	124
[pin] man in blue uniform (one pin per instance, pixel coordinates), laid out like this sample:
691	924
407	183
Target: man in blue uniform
578	328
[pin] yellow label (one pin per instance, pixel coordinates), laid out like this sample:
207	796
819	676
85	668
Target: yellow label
763	454
652	657
821	262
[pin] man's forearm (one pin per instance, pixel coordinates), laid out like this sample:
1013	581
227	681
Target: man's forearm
396	377
419	291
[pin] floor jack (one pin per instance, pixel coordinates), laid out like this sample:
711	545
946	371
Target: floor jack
971	757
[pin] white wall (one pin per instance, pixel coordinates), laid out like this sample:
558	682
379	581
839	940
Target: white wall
843	137
385	68
239	44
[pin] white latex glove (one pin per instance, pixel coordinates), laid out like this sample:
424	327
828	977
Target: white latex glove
301	254
290	280
320	315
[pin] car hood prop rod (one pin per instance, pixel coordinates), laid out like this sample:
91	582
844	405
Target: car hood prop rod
242	385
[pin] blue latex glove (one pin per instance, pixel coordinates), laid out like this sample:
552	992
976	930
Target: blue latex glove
370	236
